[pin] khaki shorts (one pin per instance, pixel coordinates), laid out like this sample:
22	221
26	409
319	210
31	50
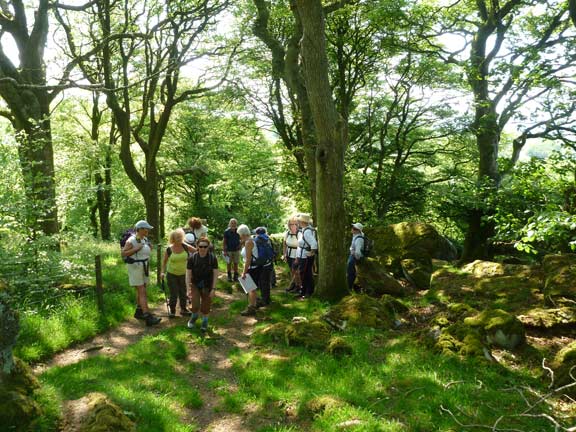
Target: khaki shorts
136	276
234	257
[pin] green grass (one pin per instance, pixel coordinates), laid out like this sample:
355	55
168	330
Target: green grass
392	382
43	334
151	379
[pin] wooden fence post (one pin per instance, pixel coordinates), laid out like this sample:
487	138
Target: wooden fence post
158	263
99	287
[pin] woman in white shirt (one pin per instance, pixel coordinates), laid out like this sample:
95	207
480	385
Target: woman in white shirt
289	247
138	248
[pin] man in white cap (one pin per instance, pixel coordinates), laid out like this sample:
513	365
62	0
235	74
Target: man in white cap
356	248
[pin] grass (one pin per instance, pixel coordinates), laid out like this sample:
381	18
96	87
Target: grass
392	382
77	319
151	380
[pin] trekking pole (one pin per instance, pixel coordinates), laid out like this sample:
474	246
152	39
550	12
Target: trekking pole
163	287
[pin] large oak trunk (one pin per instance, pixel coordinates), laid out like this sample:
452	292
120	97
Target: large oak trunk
331	145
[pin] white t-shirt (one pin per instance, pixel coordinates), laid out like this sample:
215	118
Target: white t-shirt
142	254
307	240
291	241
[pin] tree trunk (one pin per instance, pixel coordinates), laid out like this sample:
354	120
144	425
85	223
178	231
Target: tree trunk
331	145
30	111
487	133
37	163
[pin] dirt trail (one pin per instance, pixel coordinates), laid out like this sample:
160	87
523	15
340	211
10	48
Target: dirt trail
235	334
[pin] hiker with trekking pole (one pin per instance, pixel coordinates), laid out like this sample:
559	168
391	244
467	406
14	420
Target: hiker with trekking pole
174	271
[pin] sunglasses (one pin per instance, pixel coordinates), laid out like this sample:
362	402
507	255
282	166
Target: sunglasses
202	247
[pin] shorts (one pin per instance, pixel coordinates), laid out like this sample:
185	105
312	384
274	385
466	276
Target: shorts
234	257
136	276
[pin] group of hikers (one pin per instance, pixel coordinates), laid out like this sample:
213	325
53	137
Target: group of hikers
190	266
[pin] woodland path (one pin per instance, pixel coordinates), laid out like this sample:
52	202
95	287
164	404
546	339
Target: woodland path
235	334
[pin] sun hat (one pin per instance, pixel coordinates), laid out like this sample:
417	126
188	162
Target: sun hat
358	226
143	224
304	217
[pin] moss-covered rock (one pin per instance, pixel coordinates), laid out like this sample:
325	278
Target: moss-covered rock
375	279
271	333
18	409
362	310
459	311
559	278
311	334
409	239
499	328
320	404
103	416
564	361
504	286
417	271
460	339
549	318
9	328
338	346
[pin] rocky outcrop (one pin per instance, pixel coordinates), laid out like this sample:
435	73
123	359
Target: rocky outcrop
18	409
559	279
498	328
375	279
365	311
482	283
548	319
565	364
104	415
310	334
407	249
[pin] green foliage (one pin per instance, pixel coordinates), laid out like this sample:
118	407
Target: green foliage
237	170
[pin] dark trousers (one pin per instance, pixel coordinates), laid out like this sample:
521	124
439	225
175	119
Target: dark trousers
265	282
307	276
351	272
177	286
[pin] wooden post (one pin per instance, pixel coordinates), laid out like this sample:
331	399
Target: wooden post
99	287
158	263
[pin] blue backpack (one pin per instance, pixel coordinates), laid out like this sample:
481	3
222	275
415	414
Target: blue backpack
265	250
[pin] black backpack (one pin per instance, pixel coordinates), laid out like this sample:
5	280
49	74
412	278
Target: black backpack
368	246
265	250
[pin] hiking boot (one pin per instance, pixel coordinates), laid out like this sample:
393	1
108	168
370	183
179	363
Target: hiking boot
192	322
151	319
139	314
235	277
204	327
260	303
249	311
229	277
172	313
185	312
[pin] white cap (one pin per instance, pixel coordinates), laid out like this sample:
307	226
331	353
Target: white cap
190	238
143	224
358	226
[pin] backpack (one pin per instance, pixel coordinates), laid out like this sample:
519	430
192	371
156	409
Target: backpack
123	239
265	250
307	246
368	246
